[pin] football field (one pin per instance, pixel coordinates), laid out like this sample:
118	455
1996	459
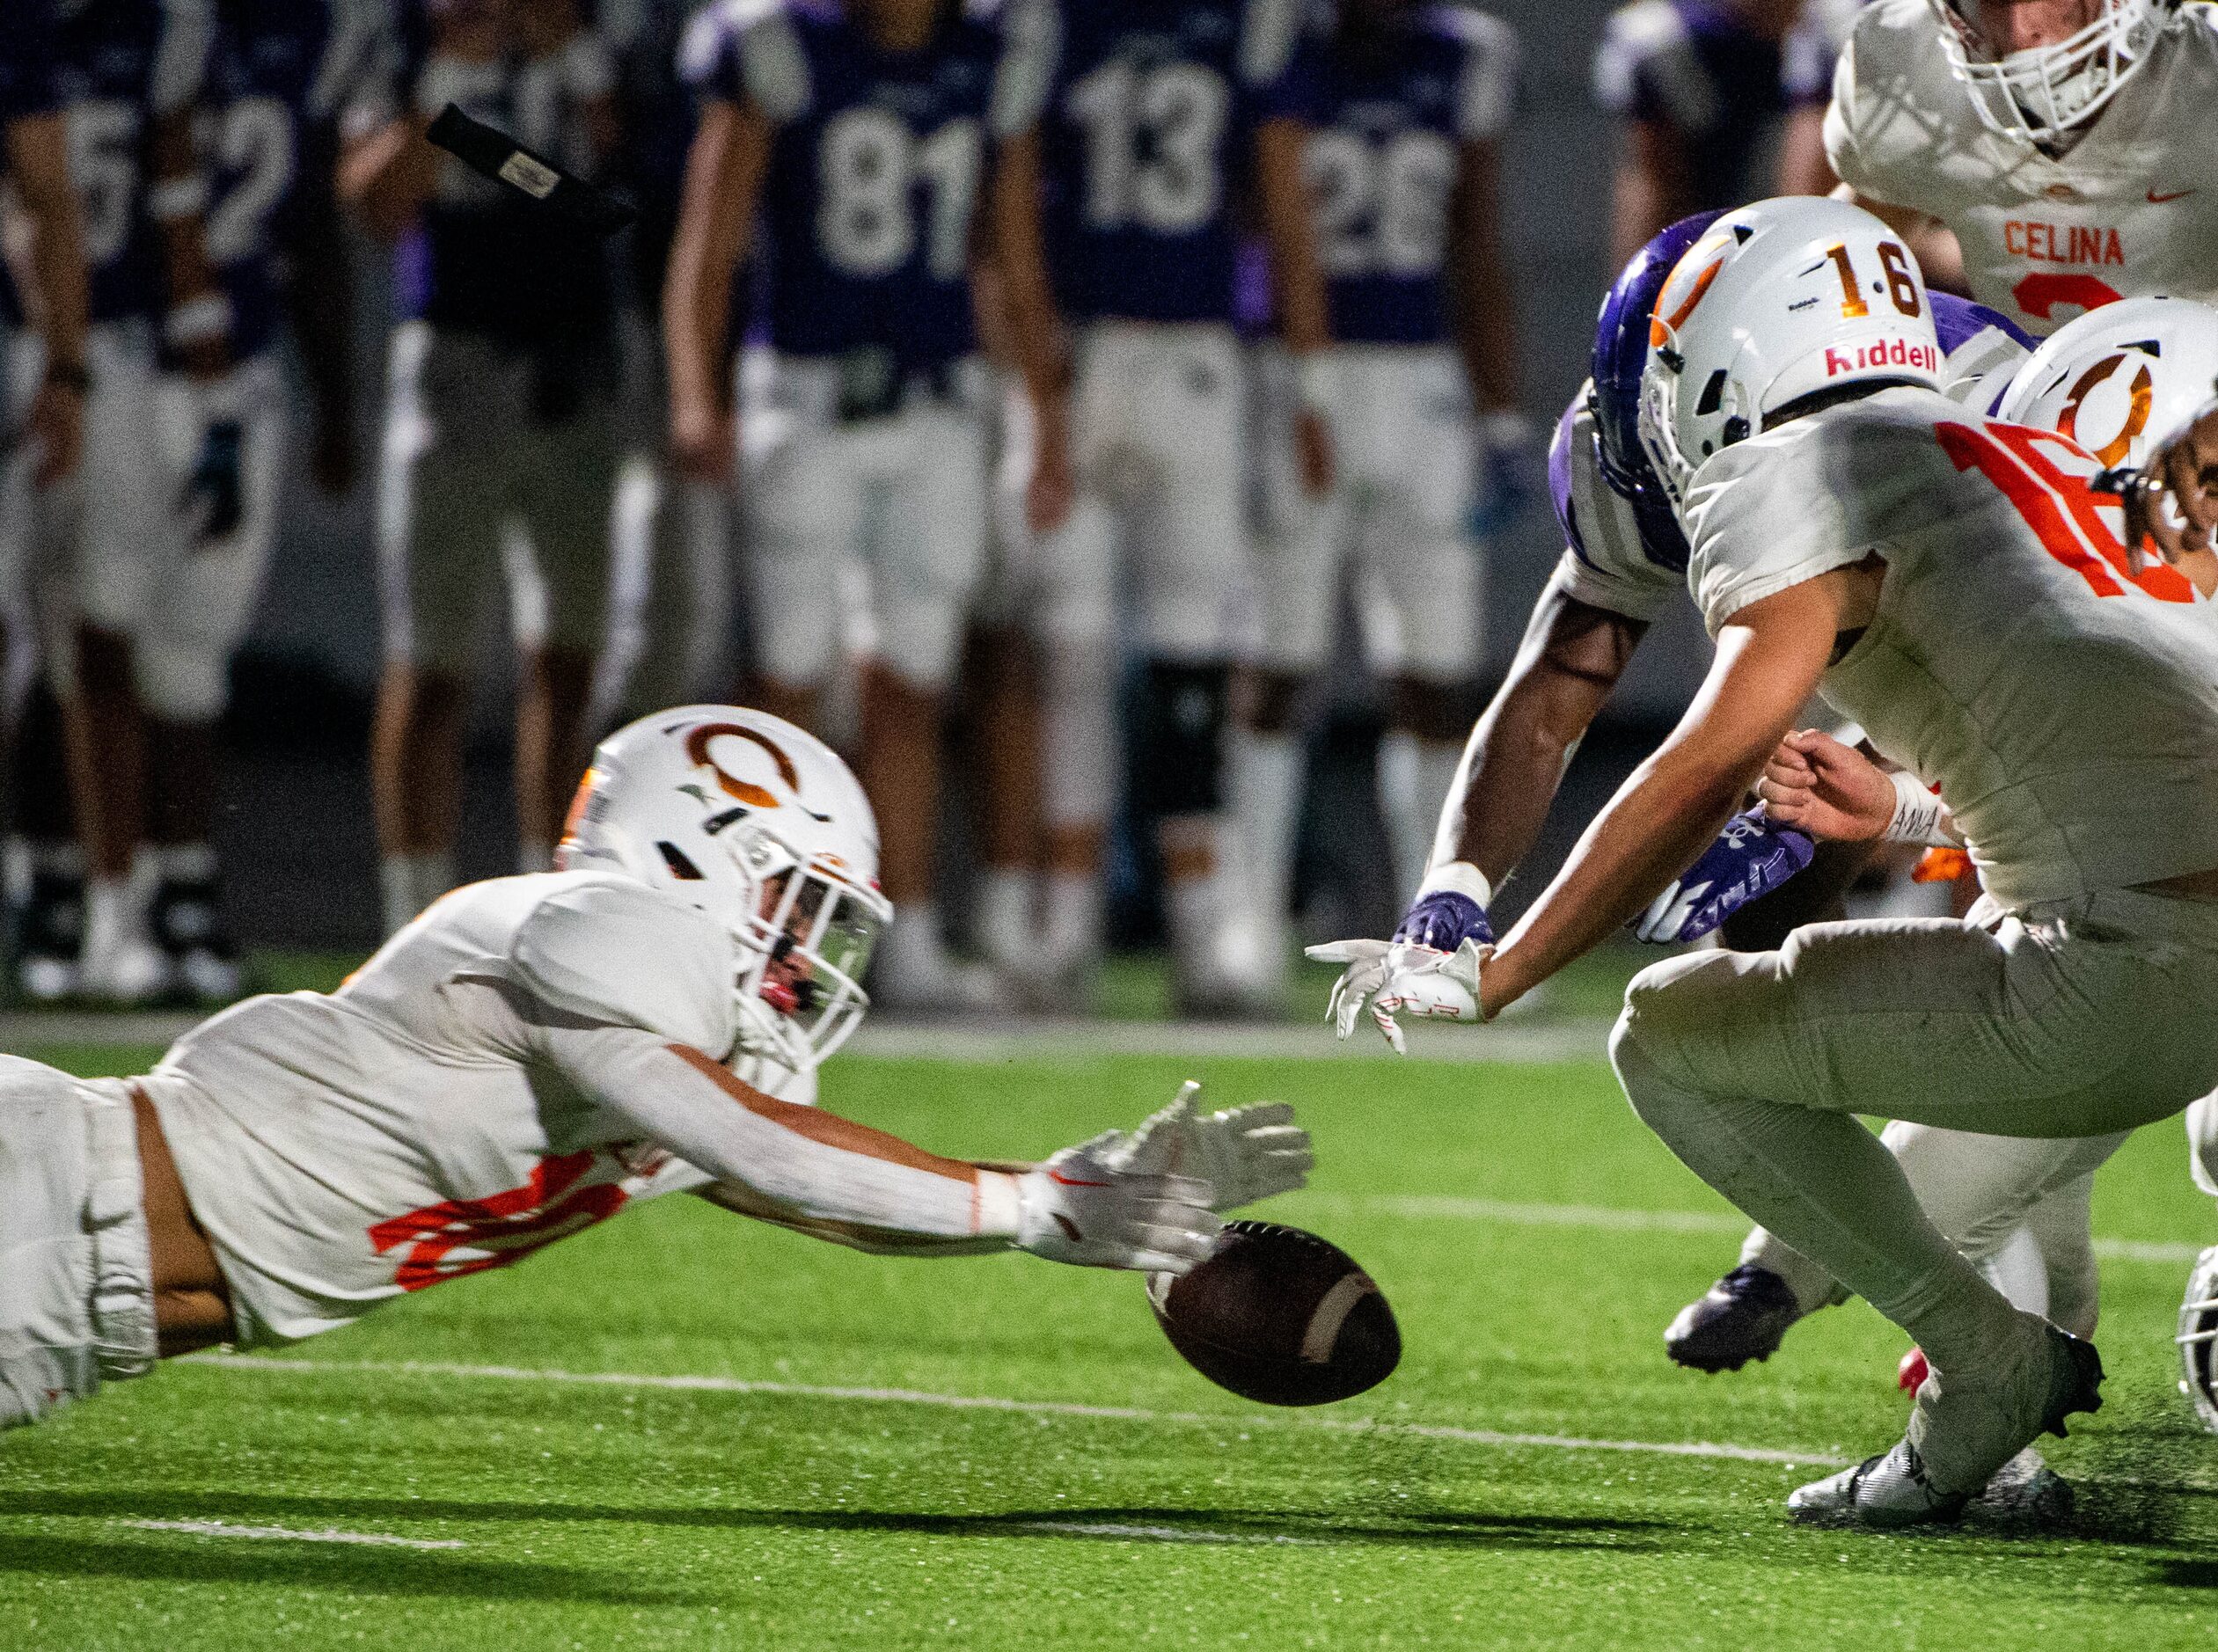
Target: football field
683	1429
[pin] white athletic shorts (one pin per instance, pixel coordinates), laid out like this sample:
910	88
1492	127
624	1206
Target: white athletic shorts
1394	519
21	368
1159	429
77	1282
473	486
2074	1018
902	497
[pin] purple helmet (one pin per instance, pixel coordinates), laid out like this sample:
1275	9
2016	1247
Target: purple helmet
1620	353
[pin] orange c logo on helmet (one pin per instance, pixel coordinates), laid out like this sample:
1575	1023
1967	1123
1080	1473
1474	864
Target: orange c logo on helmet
1660	326
697	744
2141	395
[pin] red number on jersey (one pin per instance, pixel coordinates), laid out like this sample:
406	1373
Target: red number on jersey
2038	295
506	1227
2058	505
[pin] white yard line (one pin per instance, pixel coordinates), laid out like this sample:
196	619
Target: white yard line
1166	1534
1609	1218
984	1402
224	1529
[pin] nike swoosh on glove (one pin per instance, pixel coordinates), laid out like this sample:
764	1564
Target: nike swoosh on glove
1095	1207
1243	1153
1751	857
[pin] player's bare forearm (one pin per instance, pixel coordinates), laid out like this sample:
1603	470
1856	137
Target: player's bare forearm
1485	307
1289	238
1014	258
1769	658
1803	168
723	178
385	177
38	168
1570	660
1650	188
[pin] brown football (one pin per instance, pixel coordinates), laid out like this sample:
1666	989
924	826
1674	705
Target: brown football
1280	1316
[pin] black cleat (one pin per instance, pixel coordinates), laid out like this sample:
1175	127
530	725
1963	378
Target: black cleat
1744	1316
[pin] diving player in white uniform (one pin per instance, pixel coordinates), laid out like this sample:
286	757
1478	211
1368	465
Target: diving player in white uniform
2068	144
526	1058
1846	526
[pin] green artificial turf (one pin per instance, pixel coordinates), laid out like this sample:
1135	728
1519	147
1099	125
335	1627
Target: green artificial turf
624	1515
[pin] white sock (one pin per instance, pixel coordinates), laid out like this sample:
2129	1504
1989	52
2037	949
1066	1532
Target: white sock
1414	777
1079	746
408	883
1264	778
118	909
184	863
1825	1184
1003	927
1070	917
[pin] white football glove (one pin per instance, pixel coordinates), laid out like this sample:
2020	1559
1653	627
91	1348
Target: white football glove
1243	1153
1402	978
1101	1204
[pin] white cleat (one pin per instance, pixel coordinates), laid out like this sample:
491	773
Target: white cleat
1965	1432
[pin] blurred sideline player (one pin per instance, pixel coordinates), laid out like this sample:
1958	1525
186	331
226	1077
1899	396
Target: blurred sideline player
2066	144
1161	119
125	66
1406	102
2108	382
675	534
884	145
1848	525
525	1059
1700	87
499	447
43	380
240	191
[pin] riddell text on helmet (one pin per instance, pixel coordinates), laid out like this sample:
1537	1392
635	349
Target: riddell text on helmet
1886	352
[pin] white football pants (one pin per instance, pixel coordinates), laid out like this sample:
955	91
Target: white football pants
2078	1017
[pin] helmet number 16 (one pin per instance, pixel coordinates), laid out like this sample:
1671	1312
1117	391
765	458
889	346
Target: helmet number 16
1902	286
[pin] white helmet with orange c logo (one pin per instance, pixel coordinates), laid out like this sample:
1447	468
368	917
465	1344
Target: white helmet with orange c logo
1777	301
2120	379
760	825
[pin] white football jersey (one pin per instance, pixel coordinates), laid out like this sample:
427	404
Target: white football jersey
343	1148
2066	708
2130	209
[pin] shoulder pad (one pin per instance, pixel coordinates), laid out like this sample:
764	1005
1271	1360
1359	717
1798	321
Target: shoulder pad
613	950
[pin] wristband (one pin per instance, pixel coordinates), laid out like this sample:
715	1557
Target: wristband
1457	877
1917	814
197	320
174	198
995	1204
1315	382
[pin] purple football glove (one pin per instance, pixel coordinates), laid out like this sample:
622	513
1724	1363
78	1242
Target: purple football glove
1751	857
1443	920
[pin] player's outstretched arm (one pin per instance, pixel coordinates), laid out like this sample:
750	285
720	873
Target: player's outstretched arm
1570	660
1769	657
1102	1204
